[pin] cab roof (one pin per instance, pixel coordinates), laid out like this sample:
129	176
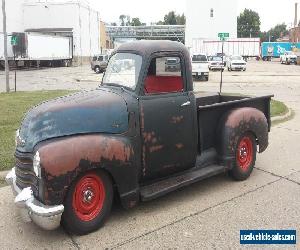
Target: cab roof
149	47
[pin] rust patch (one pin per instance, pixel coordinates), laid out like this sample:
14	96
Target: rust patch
176	119
244	114
179	145
61	157
155	148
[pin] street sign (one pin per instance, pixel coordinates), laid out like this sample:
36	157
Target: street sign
14	40
223	36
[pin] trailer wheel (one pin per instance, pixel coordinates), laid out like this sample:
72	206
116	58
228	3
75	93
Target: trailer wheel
88	203
245	157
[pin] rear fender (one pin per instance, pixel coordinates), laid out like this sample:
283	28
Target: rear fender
235	123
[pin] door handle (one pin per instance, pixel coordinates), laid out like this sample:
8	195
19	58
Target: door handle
188	103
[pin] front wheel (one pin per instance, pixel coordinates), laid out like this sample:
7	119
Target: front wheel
245	157
88	203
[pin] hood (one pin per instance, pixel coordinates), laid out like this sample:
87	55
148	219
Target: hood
238	61
97	111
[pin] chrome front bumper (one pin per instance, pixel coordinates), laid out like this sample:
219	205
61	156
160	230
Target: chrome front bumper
47	217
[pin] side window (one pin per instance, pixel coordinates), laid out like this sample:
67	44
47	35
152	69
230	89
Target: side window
164	76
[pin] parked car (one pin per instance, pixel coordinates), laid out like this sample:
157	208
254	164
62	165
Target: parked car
200	66
141	134
172	65
215	63
288	57
99	63
236	63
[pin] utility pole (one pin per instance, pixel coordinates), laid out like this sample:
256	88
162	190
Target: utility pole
5	47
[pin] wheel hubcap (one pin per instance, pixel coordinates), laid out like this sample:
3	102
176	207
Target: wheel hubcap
88	197
245	153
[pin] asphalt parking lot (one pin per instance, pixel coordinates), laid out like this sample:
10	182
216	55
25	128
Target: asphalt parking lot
206	215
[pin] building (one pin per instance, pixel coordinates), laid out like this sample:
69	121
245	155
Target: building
69	18
295	34
205	19
105	41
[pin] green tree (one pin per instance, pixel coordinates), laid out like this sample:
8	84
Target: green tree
136	22
122	19
172	19
280	30
180	19
248	23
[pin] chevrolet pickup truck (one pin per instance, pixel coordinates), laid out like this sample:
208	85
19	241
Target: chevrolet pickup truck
141	134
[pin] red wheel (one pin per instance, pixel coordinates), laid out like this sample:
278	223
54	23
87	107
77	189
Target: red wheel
88	203
88	197
245	157
244	154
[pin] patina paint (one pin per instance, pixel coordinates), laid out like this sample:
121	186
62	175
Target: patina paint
98	111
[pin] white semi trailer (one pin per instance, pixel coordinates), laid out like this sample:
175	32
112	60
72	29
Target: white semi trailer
35	49
245	47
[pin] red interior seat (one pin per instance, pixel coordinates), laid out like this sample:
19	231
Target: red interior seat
163	84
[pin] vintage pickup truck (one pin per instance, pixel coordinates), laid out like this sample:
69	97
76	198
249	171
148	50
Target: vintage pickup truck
142	134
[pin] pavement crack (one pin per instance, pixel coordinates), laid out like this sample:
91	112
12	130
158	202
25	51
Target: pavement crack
280	176
75	244
194	214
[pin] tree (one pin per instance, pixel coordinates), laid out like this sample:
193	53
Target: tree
248	24
136	22
180	19
122	19
172	19
280	30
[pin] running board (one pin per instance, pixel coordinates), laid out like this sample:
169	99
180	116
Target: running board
163	187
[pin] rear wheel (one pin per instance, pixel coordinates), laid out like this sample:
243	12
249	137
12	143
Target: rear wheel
245	156
88	203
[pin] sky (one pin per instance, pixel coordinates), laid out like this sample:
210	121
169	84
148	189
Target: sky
272	12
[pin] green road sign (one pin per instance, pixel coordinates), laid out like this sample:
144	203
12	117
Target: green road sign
223	36
14	40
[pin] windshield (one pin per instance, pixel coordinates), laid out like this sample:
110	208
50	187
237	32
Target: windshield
239	58
216	58
123	69
199	58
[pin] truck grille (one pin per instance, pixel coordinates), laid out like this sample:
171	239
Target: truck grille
25	176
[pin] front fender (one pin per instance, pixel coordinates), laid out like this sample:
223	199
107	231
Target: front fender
234	124
64	159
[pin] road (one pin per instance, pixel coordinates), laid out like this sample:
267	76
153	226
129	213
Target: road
206	215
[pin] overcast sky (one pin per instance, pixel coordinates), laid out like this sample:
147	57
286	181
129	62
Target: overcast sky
271	12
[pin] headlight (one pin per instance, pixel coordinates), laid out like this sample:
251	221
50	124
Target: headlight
36	164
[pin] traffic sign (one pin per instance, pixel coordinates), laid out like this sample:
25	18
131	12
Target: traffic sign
223	36
14	40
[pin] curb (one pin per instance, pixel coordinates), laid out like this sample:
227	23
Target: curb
282	117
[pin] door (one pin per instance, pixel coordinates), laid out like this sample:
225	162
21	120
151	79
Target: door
166	114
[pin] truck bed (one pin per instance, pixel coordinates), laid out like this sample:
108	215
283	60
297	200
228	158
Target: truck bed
212	106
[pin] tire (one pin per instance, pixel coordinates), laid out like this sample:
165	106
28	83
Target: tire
206	78
244	69
245	157
88	203
97	70
287	62
229	69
